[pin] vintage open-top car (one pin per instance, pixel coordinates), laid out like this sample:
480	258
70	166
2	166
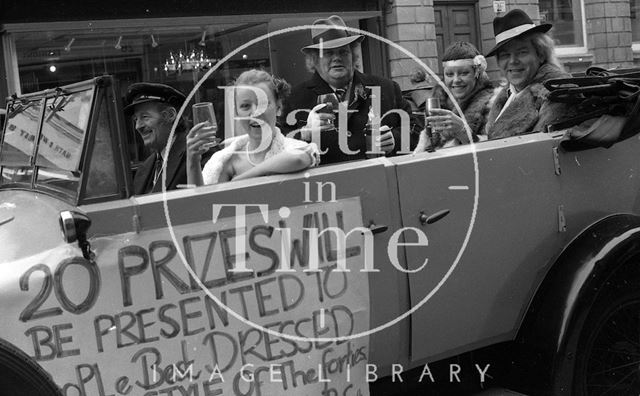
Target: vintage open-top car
514	243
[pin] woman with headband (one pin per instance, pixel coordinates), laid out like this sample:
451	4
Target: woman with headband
466	79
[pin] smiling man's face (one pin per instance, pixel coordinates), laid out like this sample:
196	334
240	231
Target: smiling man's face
519	62
153	124
335	66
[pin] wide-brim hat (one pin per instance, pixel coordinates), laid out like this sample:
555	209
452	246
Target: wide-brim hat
331	36
152	92
513	24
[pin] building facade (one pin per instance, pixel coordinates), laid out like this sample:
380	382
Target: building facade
587	33
173	42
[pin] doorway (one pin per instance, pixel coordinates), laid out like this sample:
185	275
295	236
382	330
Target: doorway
455	21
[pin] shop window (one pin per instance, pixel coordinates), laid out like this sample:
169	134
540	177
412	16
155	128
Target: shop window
49	59
50	55
174	55
567	18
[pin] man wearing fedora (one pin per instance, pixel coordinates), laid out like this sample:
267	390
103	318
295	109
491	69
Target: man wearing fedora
525	54
331	59
154	108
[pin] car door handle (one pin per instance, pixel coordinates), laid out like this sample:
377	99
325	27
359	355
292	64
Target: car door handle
424	219
376	228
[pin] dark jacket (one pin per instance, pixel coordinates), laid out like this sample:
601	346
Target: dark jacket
475	107
529	111
303	97
143	181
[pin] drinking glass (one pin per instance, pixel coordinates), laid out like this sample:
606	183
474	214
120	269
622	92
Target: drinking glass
370	145
332	104
203	112
434	137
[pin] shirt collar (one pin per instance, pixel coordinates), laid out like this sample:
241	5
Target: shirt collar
347	90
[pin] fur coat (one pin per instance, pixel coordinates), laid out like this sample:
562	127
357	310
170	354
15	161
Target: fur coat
529	111
475	107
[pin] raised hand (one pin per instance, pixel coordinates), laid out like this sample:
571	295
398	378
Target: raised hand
200	139
448	125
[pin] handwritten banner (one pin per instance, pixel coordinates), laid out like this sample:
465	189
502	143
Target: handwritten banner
136	323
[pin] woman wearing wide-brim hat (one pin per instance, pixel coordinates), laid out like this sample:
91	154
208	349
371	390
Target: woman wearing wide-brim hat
525	54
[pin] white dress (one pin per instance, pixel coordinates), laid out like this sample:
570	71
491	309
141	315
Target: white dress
213	168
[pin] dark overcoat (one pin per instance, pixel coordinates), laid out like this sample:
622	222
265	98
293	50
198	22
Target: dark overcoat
143	181
303	98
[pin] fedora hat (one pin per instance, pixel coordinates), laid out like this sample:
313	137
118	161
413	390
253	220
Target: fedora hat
513	24
330	35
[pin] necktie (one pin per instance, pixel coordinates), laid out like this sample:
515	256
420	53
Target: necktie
340	94
157	169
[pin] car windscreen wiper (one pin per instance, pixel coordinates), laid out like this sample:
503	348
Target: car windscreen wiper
17	108
59	102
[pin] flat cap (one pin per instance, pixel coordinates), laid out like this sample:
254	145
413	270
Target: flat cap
152	92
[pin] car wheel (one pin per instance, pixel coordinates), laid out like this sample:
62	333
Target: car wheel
20	375
608	354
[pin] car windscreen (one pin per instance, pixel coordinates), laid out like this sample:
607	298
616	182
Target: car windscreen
66	119
20	135
22	124
43	140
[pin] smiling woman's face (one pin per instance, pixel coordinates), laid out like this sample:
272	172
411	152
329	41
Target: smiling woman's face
257	103
460	78
519	62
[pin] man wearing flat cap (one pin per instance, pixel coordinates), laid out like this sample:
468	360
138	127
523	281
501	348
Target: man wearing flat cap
332	60
525	53
154	108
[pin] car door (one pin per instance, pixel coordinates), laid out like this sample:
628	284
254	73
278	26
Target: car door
491	223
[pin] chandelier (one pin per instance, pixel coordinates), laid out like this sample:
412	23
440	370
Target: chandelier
194	61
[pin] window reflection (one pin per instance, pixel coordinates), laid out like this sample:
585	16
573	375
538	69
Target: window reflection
22	124
12	175
65	123
67	181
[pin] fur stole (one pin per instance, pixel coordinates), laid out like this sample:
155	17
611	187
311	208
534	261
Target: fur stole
529	111
475	107
213	168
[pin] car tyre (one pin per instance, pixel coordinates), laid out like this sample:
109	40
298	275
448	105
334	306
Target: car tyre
608	354
20	375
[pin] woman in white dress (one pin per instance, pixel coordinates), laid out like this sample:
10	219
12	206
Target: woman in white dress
262	149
